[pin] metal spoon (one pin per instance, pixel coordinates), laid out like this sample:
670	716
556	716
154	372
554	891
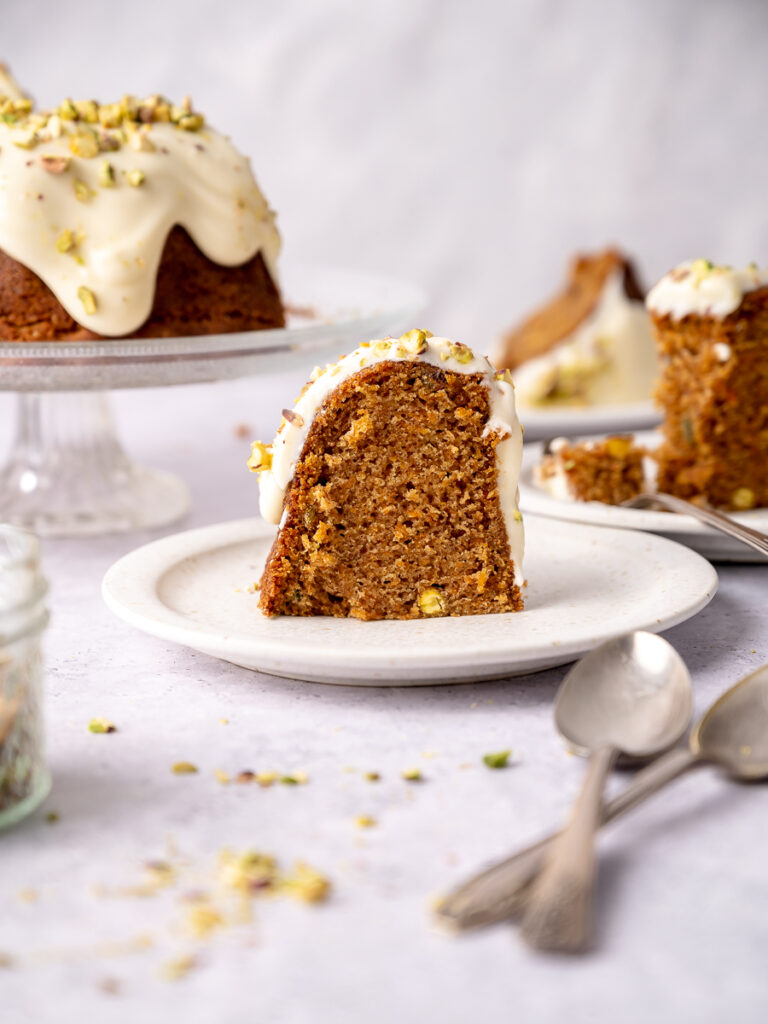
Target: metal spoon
632	695
752	538
732	734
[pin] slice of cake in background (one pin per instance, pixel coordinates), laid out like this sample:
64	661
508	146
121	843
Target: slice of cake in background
591	344
129	219
394	482
610	470
711	325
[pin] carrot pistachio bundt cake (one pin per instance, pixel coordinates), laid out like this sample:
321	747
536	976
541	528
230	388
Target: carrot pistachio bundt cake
610	470
591	344
131	218
711	325
394	483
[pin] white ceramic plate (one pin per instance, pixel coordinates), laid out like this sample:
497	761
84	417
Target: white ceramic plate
541	424
586	585
708	542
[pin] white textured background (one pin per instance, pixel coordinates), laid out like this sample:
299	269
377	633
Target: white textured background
469	147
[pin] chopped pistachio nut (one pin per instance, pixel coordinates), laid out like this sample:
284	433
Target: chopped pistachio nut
162	875
431	602
517	515
101	725
503	375
68	111
372	776
83	194
461	353
619	447
414	342
184	768
382	347
106	174
266	779
65	241
191	122
84	144
202	920
25	140
136	177
247	872
743	498
88	299
139	141
294	418
173	970
87	110
54	164
52	817
497	760
412	775
260	458
295	779
222	777
365	821
307	884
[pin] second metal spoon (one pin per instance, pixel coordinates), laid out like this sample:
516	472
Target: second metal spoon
733	734
631	695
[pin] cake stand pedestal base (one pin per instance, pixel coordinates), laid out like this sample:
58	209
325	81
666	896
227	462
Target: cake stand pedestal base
68	475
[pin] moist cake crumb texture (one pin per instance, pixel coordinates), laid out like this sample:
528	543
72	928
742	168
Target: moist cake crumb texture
394	507
611	470
711	325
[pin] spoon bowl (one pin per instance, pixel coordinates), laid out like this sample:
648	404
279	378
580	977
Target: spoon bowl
633	693
734	732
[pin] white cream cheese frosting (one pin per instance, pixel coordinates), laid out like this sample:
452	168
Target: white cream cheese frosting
89	194
276	465
702	288
609	358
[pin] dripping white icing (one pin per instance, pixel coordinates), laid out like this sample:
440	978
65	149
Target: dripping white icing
195	179
702	288
440	352
609	357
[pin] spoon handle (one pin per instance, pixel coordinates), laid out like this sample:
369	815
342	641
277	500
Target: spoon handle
558	911
500	891
753	538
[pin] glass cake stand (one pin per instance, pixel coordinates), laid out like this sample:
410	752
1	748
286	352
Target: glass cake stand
67	474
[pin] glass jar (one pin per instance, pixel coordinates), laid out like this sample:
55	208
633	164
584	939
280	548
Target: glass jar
24	778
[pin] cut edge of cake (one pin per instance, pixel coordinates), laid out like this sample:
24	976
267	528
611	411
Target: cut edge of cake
394	484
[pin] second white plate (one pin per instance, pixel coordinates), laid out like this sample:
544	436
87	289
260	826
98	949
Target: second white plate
586	585
708	542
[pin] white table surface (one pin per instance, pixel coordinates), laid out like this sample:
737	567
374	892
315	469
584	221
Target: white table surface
682	921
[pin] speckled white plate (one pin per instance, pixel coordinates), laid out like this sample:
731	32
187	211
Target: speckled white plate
552	421
586	585
708	542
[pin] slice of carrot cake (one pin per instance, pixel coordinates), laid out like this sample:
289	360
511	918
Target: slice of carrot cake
591	344
394	483
711	325
609	470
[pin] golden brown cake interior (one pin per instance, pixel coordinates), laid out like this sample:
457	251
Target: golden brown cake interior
393	511
715	446
193	296
560	317
610	471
